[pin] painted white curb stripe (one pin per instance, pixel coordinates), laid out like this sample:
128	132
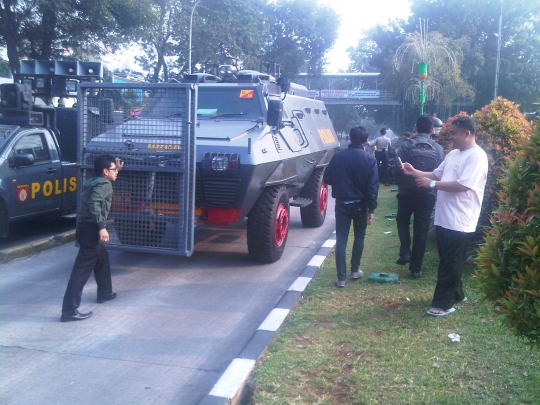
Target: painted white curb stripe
233	378
274	319
329	243
300	284
316	260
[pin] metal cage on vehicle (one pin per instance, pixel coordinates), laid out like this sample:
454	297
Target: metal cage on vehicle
151	128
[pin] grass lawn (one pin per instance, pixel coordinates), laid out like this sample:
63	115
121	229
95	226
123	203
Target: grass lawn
373	344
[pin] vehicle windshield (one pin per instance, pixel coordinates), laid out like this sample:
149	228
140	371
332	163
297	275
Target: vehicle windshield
165	103
213	102
235	101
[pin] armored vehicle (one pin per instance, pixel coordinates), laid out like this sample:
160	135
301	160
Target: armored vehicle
210	150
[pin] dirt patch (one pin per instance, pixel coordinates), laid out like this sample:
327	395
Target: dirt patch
302	340
326	323
395	303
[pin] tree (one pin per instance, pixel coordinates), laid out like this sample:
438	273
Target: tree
230	31
519	78
223	31
41	29
471	26
301	33
168	19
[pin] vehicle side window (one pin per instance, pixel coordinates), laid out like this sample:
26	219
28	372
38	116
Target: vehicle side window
34	144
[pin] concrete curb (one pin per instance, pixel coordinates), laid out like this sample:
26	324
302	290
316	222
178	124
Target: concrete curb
230	386
32	248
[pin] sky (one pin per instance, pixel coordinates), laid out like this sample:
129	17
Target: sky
356	17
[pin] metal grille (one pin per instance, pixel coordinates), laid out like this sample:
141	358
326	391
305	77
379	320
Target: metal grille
151	128
221	192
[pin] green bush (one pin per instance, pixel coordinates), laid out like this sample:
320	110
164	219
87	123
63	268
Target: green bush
508	272
444	139
501	128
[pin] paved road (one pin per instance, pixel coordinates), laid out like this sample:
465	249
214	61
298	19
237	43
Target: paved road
175	327
37	228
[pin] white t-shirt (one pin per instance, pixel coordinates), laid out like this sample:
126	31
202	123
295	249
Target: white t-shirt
459	211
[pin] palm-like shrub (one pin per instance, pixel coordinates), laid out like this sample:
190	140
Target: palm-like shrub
508	272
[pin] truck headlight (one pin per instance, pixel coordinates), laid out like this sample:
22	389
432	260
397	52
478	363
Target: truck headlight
220	163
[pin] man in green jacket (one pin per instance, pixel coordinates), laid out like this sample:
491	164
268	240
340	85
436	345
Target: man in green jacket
92	236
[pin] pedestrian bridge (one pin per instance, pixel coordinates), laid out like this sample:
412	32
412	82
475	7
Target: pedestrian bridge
347	88
352	89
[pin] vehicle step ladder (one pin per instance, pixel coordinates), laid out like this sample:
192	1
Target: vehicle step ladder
301	202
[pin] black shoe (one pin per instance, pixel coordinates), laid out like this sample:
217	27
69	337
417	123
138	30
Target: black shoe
77	317
110	297
403	260
416	276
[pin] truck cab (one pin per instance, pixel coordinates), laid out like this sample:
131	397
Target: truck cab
33	179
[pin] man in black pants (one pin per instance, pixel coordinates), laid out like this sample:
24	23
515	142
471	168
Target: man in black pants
353	175
415	200
92	236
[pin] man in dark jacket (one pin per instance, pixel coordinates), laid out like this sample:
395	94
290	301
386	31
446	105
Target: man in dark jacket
92	236
354	178
415	200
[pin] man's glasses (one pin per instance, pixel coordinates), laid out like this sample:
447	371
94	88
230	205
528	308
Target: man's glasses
113	169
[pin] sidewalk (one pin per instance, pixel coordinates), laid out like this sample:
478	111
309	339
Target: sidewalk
31	248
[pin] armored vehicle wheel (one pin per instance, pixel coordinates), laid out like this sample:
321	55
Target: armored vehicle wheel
4	220
139	232
314	214
268	225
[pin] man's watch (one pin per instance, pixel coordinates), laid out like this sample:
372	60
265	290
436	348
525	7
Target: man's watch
432	184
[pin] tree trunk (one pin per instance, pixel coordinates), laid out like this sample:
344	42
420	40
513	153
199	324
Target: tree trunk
10	32
48	25
161	63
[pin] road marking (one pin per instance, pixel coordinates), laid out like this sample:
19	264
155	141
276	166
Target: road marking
274	319
233	378
316	260
300	284
329	243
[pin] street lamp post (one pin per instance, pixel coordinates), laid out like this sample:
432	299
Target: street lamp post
498	55
190	34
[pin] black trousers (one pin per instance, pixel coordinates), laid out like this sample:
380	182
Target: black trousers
452	246
382	164
345	214
93	256
421	205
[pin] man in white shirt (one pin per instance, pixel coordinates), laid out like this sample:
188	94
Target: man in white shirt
460	182
381	144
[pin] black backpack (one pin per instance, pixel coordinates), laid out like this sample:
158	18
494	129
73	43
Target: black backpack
422	156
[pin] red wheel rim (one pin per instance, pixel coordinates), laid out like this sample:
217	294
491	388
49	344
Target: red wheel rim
281	225
323	198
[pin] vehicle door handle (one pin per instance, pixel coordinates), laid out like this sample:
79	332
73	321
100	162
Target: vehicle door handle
51	170
310	161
